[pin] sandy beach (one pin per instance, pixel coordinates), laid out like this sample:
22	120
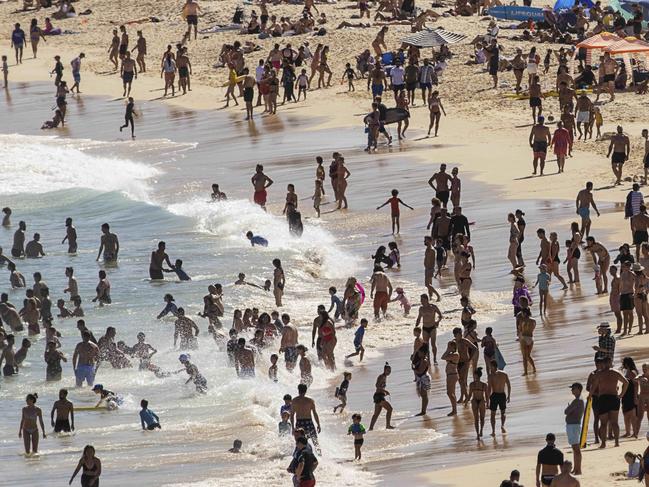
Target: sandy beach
186	142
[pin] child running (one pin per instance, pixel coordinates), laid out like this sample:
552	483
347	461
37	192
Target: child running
341	392
358	340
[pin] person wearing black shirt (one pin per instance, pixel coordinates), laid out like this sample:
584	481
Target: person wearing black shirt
548	461
128	117
306	464
58	69
585	79
382	115
459	224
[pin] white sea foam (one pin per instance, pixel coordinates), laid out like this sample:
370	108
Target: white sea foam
41	164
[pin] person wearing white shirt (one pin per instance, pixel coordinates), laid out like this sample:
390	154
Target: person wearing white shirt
397	77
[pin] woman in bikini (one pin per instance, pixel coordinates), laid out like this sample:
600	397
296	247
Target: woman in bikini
323	68
436	109
477	390
379	42
553	259
452	358
91	466
573	253
629	399
514	236
328	340
420	365
351	301
315	62
29	422
35	35
343	174
640	298
525	330
464	274
471	334
379	399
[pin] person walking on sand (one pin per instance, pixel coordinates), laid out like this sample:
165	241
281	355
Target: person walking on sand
379	399
619	147
583	202
128	117
574	414
261	183
605	386
497	398
169	72
140	45
190	12
436	108
394	203
561	144
539	140
525	331
32	416
91	466
113	49
127	72
75	65
18	42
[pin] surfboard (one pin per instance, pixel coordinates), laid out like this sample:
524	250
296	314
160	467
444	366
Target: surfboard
90	408
500	359
514	12
394	115
584	423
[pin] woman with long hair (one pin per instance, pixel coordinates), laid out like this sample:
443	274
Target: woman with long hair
91	466
629	400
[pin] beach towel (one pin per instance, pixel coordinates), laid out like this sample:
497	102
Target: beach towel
220	28
500	359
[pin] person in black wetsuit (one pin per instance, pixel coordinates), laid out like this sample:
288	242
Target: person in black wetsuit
128	116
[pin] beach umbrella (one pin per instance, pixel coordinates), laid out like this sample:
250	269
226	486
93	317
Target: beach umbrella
433	38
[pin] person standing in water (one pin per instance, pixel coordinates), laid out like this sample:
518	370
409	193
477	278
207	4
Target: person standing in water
302	411
158	258
70	236
128	117
261	183
64	410
18	247
109	245
496	398
279	281
91	466
379	399
32	416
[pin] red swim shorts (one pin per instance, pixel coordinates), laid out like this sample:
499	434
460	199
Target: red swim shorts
260	197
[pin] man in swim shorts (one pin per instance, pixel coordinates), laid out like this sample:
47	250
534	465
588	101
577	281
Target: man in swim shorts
190	10
64	410
539	140
128	71
84	359
619	147
605	385
440	182
302	409
583	202
381	291
377	81
497	399
109	244
260	182
288	343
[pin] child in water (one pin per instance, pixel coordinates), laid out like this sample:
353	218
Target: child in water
403	300
272	370
148	418
111	399
285	427
358	340
178	269
357	430
395	255
341	392
194	375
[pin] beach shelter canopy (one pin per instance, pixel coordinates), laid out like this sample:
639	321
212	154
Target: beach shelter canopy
599	41
568	4
628	45
433	38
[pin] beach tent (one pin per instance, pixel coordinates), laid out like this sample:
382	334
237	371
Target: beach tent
599	41
568	4
433	38
629	47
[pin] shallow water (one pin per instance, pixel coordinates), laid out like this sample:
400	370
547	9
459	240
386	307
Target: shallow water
157	189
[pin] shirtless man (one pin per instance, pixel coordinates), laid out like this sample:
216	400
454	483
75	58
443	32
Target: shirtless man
113	49
109	245
605	386
381	291
249	83
536	94
244	360
127	72
302	411
564	479
84	359
639	225
260	182
141	51
601	258
18	247
184	71
496	397
64	410
70	236
8	356
544	252
429	262
190	10
377	80
609	67
123	42
465	349
539	140
566	96
583	202
288	344
584	112
11	317
620	147
441	183
429	316
158	258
